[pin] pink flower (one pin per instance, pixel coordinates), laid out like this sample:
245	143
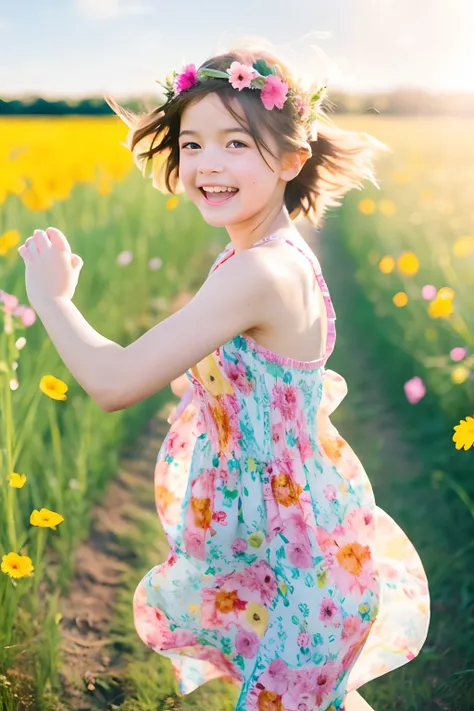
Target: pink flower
26	314
279	676
351	627
414	389
124	258
329	613
299	555
428	292
240	75
239	546
274	92
246	643
325	680
186	79
10	301
303	639
458	353
236	373
194	544
285	399
266	580
155	263
220	517
330	492
302	107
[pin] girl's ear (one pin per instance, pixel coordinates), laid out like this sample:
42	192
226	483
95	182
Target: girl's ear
292	164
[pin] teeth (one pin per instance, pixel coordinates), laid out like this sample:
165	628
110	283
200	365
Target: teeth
220	190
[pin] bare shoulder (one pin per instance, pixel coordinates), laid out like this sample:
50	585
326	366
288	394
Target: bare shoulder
292	305
288	267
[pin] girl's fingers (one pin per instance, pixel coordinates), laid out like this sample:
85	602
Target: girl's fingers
31	246
42	241
58	240
24	252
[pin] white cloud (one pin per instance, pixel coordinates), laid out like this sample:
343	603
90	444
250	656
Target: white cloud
105	9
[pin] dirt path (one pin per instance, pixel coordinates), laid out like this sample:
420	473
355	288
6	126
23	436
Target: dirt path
92	670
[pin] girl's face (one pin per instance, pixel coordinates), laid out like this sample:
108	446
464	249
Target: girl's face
218	152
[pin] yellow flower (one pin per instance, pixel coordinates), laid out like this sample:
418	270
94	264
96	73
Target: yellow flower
45	519
387	207
366	206
172	203
400	299
463	246
53	387
408	263
208	373
17	480
255	540
464	433
374	612
459	374
193	609
8	240
321	579
17	566
251	464
387	264
445	293
257	617
441	307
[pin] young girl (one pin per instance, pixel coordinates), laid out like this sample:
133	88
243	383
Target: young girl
283	575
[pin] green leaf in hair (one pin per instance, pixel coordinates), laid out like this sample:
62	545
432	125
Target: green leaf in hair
263	68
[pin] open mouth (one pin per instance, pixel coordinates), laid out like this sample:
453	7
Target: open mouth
217	198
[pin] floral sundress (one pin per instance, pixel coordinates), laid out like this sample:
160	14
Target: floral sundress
283	576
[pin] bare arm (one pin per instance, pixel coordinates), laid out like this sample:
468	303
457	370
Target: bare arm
181	384
234	298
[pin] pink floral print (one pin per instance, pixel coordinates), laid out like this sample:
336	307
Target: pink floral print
284	576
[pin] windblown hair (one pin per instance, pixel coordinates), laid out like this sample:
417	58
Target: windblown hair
339	159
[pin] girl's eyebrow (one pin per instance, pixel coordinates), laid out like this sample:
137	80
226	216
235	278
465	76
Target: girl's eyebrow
224	130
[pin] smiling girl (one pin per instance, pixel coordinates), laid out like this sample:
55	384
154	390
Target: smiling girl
283	575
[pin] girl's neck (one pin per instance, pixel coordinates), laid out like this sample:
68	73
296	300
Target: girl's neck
283	225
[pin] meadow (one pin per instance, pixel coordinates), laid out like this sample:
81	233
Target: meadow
411	250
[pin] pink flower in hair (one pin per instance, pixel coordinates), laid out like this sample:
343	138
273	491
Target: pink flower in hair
302	107
274	92
240	75
186	79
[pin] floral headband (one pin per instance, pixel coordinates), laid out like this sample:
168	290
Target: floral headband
273	90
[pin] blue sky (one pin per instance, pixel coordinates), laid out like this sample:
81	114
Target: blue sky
79	47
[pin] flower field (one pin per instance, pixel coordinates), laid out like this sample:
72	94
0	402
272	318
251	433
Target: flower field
412	246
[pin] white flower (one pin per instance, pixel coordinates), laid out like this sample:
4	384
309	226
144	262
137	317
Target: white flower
124	258
155	263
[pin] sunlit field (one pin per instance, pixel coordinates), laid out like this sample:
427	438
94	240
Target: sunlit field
412	243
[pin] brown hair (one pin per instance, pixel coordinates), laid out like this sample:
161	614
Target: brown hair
339	161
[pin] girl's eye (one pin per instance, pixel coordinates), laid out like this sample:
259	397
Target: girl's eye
190	143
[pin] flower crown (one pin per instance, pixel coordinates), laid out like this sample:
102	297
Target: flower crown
273	90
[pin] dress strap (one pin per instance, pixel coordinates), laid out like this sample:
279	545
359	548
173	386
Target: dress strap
330	311
314	261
